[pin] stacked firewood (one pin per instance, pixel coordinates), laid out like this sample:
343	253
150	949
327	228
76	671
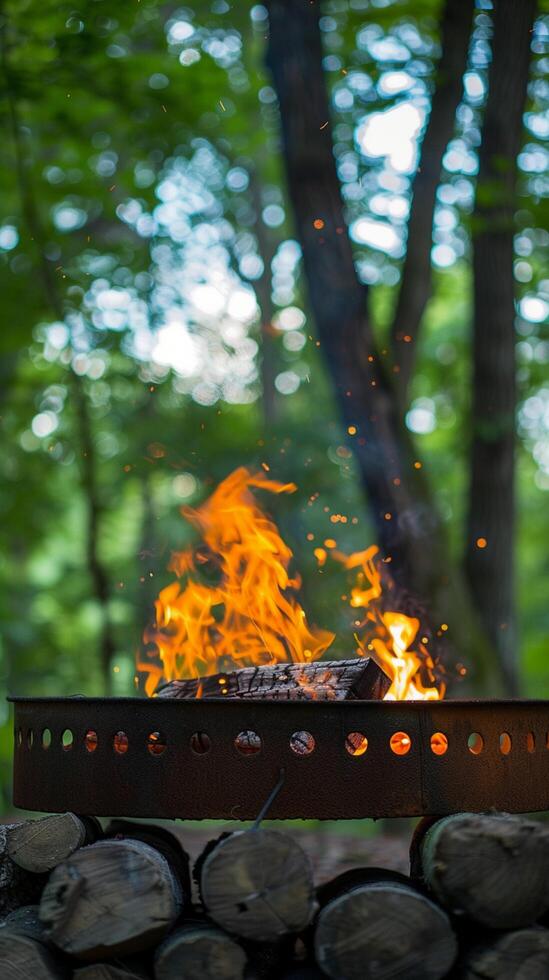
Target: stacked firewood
120	903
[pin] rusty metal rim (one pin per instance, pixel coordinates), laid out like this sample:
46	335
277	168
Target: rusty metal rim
328	782
270	704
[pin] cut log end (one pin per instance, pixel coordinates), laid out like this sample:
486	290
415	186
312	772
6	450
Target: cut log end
523	953
383	929
40	845
199	952
258	884
111	898
494	868
339	680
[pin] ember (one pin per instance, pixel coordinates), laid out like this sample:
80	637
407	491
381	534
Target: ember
235	603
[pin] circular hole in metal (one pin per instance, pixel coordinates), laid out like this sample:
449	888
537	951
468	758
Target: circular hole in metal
400	743
156	743
505	743
248	743
91	740
121	743
200	743
19	737
356	743
531	742
30	738
439	743
475	743
67	739
302	743
46	738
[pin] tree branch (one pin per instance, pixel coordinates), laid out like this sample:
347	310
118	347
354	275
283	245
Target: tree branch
489	559
415	283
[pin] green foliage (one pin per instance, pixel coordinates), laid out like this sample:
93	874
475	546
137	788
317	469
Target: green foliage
141	161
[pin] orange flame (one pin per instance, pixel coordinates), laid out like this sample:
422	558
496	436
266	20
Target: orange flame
234	603
393	635
248	616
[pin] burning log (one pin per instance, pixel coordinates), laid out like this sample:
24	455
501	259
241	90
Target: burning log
115	897
39	845
23	949
199	951
338	680
374	923
524	953
257	884
17	886
494	868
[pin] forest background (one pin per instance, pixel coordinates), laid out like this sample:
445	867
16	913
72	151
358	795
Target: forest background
216	221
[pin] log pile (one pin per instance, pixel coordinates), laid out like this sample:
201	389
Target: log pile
120	903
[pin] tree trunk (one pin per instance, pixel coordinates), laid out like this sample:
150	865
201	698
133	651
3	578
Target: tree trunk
415	283
409	529
489	559
263	294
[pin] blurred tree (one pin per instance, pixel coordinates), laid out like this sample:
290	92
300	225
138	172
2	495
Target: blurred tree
408	527
491	539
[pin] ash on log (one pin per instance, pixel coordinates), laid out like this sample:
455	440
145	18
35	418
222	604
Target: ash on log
493	868
199	951
17	886
337	680
374	925
519	955
40	845
24	953
257	884
116	896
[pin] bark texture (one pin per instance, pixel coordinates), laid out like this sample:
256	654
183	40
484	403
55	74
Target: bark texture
490	567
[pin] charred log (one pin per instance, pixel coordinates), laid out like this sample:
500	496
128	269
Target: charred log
337	680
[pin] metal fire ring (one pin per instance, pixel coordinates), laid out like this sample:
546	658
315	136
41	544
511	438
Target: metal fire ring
180	759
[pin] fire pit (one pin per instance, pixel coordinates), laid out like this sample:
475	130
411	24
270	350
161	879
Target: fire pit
215	745
214	758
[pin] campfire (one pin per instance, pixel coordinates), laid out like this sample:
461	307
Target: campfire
235	604
251	715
